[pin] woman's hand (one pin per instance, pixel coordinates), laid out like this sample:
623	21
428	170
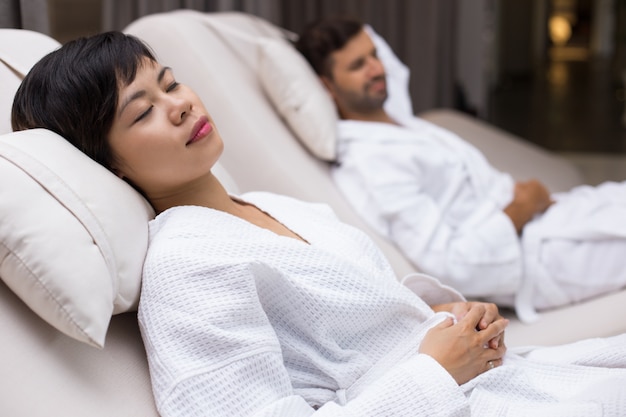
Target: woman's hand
460	309
463	348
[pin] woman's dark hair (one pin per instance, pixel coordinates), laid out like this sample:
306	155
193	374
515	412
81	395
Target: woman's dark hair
73	91
323	37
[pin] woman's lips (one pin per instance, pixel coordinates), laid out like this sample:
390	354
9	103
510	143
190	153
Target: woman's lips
201	129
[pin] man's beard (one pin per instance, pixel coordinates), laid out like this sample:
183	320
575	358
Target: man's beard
371	101
363	102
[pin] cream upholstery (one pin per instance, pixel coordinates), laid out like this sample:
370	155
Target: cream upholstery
19	50
48	373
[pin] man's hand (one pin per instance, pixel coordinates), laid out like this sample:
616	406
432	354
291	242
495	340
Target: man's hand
461	348
531	197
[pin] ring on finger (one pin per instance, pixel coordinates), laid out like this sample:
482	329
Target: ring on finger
491	365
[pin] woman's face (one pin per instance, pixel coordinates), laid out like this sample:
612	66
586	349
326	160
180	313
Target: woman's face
162	137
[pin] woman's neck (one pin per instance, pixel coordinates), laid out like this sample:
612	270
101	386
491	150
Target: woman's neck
205	192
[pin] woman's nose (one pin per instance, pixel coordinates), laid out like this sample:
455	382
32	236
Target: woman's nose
179	110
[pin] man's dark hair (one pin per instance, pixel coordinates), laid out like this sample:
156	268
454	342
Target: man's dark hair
323	37
73	91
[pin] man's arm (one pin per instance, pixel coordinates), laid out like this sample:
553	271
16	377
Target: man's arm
531	197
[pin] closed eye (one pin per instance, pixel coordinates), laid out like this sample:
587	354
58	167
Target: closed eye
172	87
358	64
143	115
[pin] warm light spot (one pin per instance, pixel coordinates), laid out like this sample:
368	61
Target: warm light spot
560	30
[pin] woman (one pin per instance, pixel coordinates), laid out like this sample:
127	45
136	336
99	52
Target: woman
265	305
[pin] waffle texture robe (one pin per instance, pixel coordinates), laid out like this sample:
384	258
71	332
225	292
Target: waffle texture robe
440	201
239	321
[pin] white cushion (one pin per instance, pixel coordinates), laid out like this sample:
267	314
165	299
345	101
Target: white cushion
73	235
299	96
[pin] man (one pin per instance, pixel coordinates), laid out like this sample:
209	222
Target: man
451	213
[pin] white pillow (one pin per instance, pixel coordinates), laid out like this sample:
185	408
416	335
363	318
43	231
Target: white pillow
299	96
73	235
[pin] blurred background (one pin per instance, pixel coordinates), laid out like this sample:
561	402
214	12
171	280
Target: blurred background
550	71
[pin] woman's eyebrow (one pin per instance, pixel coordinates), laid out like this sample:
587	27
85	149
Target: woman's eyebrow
162	73
141	93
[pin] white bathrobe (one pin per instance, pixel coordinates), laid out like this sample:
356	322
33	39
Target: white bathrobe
239	321
440	201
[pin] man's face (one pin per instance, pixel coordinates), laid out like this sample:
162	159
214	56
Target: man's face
358	82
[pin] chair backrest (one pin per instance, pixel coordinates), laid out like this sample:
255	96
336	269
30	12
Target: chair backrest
19	51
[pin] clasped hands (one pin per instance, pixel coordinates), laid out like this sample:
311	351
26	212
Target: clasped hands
472	345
